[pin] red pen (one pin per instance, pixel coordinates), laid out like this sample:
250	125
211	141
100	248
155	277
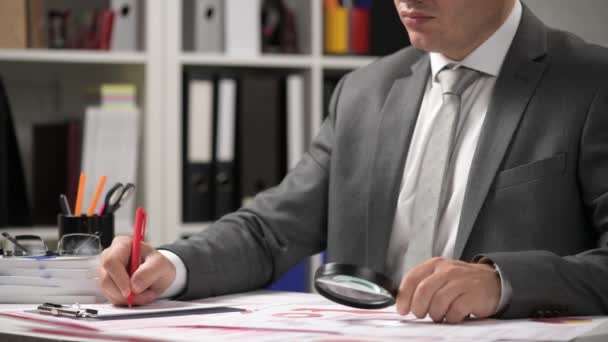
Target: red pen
139	231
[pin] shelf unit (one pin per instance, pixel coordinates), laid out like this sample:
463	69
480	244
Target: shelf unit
158	72
144	68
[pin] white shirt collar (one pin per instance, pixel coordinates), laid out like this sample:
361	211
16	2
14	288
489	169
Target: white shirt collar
490	55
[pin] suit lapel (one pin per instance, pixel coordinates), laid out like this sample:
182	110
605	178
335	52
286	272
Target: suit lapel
513	90
398	119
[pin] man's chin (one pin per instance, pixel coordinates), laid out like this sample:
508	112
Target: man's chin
422	43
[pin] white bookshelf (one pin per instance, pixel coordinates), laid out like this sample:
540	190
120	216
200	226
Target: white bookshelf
157	70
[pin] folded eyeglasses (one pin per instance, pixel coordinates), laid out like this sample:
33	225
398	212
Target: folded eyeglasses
76	244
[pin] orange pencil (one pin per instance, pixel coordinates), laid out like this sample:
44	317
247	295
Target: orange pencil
83	179
100	185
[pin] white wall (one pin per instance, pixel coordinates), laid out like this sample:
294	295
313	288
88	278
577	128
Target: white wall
586	18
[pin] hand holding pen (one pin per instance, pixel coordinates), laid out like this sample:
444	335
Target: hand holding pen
139	232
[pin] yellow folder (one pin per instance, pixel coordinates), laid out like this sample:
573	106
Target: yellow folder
336	28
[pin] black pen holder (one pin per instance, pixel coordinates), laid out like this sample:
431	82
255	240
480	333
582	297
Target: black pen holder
88	225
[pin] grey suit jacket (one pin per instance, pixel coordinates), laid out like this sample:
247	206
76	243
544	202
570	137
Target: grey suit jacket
536	201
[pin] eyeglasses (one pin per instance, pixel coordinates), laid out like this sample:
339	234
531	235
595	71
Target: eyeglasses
80	244
77	244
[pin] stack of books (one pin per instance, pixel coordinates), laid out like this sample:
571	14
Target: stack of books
60	280
95	25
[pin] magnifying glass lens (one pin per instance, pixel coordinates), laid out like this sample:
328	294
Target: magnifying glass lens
354	286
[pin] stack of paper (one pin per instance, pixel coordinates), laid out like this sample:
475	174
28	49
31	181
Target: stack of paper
110	146
118	96
63	280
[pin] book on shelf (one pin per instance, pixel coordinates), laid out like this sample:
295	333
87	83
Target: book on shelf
243	27
261	134
56	161
197	176
124	33
224	177
37	28
279	27
13	24
14	202
335	27
207	20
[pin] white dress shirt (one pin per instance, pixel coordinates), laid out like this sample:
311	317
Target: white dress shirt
488	59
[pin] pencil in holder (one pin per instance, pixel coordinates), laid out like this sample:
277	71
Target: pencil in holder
88	225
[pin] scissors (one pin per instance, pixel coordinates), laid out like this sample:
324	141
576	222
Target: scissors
116	196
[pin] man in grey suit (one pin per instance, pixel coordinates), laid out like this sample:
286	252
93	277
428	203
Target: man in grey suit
518	227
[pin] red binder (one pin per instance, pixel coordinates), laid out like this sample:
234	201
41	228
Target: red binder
105	22
359	30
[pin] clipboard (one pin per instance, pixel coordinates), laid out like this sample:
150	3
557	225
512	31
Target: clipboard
163	308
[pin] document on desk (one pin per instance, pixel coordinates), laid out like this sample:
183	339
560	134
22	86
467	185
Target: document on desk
49	279
309	317
306	317
53	262
49	282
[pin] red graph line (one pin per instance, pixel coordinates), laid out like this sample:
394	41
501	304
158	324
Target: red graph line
48	322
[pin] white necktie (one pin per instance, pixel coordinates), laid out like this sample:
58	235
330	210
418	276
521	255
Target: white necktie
430	196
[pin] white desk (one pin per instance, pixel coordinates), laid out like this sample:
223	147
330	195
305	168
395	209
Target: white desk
282	316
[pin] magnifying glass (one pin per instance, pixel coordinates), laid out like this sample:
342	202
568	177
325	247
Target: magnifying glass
355	286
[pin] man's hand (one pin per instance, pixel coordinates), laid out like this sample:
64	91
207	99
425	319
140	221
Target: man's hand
449	290
154	275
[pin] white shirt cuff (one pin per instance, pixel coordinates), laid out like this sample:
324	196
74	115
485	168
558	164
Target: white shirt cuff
506	291
181	275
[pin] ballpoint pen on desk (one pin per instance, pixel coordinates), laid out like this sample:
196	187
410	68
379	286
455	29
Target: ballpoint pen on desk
116	196
100	185
81	184
64	205
139	232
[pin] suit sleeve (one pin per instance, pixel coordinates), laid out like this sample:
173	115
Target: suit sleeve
545	284
253	246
